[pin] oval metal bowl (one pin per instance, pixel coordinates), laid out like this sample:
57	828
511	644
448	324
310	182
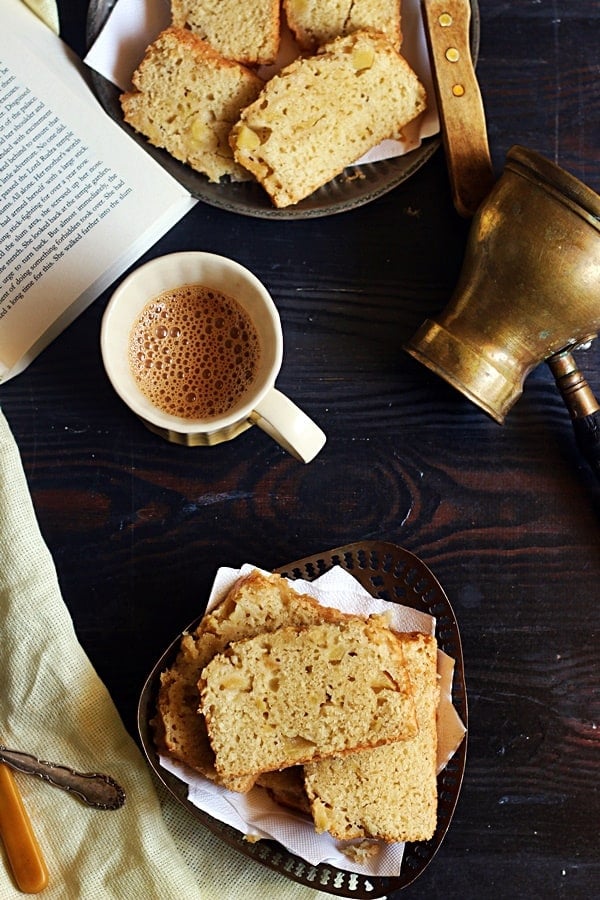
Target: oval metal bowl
391	573
354	187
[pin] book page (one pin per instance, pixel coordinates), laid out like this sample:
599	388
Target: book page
80	201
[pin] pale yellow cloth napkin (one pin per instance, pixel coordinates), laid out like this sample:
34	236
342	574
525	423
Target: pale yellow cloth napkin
53	704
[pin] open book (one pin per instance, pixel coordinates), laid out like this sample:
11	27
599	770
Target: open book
79	200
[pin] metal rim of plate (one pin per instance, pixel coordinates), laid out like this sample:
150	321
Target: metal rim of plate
354	187
391	573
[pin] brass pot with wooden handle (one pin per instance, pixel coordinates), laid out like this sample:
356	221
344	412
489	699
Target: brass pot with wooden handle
528	288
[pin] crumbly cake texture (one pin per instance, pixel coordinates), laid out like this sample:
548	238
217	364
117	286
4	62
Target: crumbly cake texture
343	794
346	793
187	98
256	603
322	113
245	32
315	22
301	694
286	787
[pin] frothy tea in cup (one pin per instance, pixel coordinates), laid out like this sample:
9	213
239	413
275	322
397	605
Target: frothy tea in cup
194	352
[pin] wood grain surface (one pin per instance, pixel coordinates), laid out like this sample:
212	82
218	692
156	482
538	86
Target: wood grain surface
505	516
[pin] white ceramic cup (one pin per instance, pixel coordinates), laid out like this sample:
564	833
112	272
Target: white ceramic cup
262	404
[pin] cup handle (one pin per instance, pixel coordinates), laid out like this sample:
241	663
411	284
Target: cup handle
288	425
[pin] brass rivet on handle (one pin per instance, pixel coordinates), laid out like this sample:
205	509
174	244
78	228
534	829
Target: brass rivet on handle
458	90
445	20
452	54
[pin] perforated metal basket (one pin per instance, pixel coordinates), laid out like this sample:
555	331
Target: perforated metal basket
393	574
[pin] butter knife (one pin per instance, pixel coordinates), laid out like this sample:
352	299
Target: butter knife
99	791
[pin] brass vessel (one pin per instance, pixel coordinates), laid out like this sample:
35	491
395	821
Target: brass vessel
529	287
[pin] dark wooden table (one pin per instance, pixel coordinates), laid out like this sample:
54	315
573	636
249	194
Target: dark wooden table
505	516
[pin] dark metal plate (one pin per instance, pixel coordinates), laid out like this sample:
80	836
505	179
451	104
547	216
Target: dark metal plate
343	193
391	573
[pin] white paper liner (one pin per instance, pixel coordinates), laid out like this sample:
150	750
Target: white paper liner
255	814
133	24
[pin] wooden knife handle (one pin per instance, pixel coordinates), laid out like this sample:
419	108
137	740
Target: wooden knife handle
582	405
22	849
462	116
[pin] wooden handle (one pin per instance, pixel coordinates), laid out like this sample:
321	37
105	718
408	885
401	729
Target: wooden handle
23	851
587	435
464	130
583	407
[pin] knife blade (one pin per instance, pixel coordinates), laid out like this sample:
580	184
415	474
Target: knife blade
95	789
